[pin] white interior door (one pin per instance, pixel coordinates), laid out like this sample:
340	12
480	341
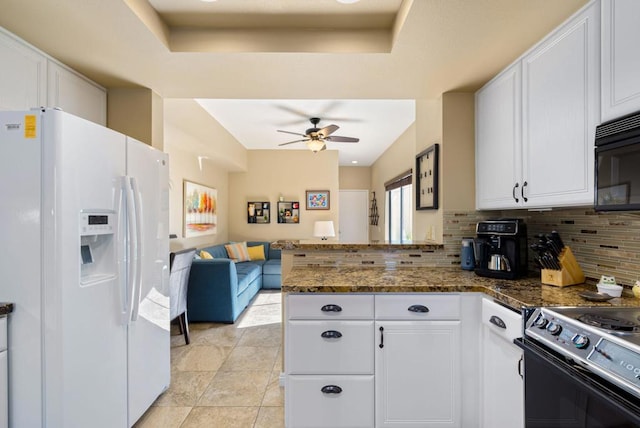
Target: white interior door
354	216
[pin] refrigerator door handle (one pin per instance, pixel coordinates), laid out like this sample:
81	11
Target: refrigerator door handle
131	249
138	248
122	289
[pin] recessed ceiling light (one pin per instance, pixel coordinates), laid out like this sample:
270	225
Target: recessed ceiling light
207	1
354	161
347	1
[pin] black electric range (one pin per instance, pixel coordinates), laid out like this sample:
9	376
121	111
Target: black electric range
604	340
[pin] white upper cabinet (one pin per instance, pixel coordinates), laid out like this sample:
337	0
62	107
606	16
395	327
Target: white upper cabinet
620	58
24	75
561	98
535	122
31	79
498	141
75	94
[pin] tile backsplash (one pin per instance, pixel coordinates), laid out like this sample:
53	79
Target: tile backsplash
603	243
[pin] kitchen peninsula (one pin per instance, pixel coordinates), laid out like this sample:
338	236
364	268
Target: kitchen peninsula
384	335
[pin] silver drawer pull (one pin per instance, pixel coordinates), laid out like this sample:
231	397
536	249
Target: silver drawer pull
418	308
331	389
331	334
331	308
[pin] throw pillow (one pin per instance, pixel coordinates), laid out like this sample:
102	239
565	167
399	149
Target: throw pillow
256	252
238	252
205	254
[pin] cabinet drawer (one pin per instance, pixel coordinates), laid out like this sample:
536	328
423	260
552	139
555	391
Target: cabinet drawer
308	406
496	316
309	352
411	307
329	306
3	333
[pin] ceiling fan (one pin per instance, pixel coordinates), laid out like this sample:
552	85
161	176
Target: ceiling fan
316	138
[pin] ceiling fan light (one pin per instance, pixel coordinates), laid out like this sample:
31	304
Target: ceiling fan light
315	145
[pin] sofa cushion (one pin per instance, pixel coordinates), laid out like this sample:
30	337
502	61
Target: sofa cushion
238	252
205	255
247	273
217	251
271	267
256	252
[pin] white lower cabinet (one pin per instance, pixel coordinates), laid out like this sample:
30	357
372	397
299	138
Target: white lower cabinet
502	382
330	401
339	375
417	374
331	347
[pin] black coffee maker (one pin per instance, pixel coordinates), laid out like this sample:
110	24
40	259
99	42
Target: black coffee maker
501	248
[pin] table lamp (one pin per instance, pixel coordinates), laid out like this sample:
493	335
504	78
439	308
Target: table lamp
323	229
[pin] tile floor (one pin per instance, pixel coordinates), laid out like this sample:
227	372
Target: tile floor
228	376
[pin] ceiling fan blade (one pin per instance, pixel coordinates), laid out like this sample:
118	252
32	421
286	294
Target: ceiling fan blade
291	142
294	133
337	139
302	114
328	130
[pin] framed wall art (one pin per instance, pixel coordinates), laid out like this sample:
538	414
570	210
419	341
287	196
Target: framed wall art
426	179
200	208
317	200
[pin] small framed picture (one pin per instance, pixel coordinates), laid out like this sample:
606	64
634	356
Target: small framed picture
317	200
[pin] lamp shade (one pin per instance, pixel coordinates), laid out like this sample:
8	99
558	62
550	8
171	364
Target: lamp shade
323	229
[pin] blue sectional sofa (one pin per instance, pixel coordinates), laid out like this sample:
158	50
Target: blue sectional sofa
220	289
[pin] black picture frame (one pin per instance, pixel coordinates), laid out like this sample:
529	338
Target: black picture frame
426	178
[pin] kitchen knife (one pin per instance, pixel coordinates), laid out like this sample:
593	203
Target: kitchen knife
555	236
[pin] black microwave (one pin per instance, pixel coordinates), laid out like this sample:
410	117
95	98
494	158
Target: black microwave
617	157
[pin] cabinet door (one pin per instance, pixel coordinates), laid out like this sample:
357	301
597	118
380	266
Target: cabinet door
24	75
75	94
502	385
620	58
417	374
498	141
560	111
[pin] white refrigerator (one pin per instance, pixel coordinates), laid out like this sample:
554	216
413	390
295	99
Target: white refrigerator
84	213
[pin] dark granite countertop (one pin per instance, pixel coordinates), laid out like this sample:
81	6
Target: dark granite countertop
319	245
6	308
527	292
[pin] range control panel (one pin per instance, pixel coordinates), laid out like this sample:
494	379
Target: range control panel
609	356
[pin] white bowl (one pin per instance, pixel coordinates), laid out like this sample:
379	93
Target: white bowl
612	290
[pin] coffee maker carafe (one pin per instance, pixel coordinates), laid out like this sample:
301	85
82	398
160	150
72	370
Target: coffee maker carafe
502	245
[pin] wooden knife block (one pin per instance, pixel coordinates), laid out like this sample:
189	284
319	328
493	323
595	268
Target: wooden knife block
570	274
